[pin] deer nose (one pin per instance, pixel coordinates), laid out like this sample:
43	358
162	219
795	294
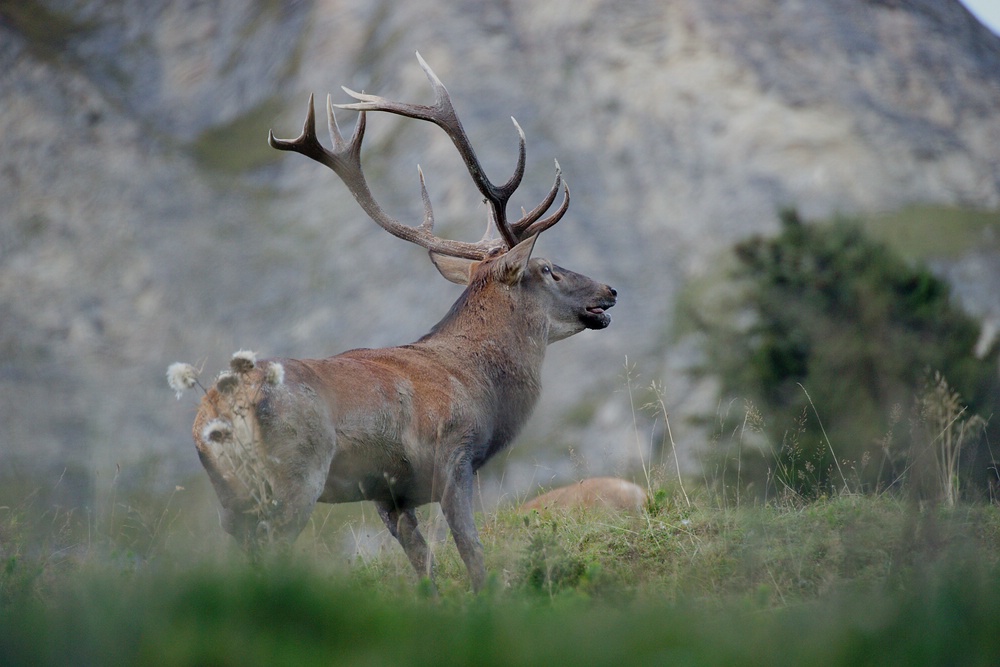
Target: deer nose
613	291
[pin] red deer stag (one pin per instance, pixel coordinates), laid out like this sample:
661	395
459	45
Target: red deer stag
408	425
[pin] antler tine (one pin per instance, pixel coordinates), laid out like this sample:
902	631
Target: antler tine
442	113
336	139
428	223
541	225
345	161
521	226
306	143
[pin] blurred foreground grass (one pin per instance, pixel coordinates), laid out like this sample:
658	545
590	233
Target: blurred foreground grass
291	616
850	580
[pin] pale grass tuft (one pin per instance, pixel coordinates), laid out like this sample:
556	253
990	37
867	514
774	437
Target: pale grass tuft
950	429
275	373
243	361
181	377
217	430
226	382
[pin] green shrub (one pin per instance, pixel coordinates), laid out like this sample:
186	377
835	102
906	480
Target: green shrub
831	341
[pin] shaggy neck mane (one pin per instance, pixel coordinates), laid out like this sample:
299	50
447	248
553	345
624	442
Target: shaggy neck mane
485	309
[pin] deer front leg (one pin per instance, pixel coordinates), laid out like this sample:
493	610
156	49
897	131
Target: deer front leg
402	525
456	503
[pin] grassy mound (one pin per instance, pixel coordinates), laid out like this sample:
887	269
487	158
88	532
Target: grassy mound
848	580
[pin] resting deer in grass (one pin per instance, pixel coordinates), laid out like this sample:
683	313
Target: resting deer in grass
592	493
408	425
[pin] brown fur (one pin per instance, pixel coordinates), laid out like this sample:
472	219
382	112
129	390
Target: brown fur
595	492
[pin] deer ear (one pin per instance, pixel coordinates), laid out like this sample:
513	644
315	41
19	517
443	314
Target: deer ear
510	266
455	269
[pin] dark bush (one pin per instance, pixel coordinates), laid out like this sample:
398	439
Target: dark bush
832	332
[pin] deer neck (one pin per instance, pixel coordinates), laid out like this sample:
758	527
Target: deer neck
498	328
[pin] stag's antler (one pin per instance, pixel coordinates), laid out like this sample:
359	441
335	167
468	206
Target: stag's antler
345	160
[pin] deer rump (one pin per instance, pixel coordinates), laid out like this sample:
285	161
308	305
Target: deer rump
407	425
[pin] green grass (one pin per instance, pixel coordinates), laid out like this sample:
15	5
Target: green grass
936	232
290	616
845	580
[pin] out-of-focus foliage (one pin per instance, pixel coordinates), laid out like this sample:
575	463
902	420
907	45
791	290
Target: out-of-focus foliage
832	342
852	580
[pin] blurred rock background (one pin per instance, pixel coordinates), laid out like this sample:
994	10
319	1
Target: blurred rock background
144	219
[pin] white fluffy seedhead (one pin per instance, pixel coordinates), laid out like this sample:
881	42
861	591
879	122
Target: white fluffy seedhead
217	430
227	382
181	377
275	374
243	361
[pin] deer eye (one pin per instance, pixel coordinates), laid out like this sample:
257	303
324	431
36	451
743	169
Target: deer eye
547	270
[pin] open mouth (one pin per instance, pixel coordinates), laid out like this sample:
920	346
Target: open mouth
595	317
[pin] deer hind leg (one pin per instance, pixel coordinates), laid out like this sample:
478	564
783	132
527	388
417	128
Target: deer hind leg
402	525
456	503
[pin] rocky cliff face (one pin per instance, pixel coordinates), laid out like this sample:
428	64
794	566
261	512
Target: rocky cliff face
144	219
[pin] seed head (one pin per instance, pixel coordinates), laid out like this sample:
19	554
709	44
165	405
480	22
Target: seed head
243	361
181	377
227	382
275	373
217	430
